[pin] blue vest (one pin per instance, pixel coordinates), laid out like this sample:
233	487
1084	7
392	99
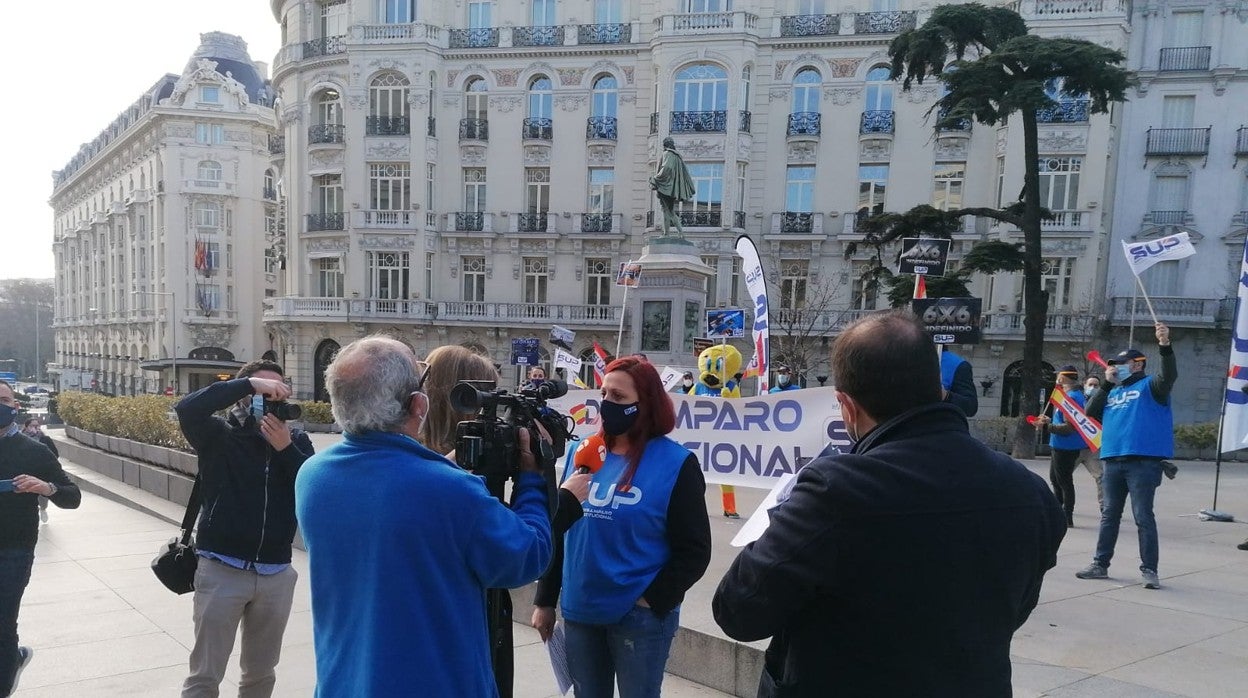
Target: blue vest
1136	424
615	551
949	362
1072	442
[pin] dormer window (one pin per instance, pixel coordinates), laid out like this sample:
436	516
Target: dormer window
210	94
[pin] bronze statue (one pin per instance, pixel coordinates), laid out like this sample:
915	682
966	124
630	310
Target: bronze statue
672	183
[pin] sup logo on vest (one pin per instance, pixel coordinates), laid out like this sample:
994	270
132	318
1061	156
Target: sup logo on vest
1116	401
612	499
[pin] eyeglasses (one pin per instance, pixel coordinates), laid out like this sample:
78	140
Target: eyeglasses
422	370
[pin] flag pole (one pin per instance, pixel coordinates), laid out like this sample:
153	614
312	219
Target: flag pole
1217	460
1131	327
1147	301
619	335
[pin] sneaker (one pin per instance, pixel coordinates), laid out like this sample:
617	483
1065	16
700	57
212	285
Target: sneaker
26	654
1093	571
1150	579
1243	546
731	515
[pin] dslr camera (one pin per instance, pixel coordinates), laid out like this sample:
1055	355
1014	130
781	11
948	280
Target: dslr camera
489	444
285	411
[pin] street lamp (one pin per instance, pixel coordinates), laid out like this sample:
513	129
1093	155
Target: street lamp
173	331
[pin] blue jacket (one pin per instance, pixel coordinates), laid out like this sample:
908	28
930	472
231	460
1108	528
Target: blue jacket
402	545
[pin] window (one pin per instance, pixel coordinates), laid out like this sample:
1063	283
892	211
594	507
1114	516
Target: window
387	96
536	279
794	275
700	88
328	192
708	5
208	172
607	11
537	189
879	90
389	187
210	94
734	289
334	18
540	97
1178	111
429	257
862	293
708	180
479	14
388	274
543	13
1165	279
745	88
947	188
473	271
209	134
1186	29
477	103
741	189
328	108
806	86
270	185
606	97
872	186
1001	182
799	188
431	176
211	256
271	260
809	7
474	189
398	11
601	190
712	283
1057	275
208	297
1170	194
599	278
208	216
1059	183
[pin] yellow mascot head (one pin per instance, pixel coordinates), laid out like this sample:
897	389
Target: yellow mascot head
717	366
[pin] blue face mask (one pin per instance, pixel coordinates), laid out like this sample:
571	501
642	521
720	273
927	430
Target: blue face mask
1122	372
7	415
617	418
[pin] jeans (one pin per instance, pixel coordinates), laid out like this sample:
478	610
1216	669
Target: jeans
631	652
1062	476
1138	477
15	564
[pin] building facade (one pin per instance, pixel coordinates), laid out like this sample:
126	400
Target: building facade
1184	166
163	233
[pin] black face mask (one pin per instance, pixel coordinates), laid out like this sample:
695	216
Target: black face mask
618	418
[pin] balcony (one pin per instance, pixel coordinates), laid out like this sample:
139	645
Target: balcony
1205	313
327	133
346	309
746	119
396	33
604	33
810	25
1241	142
1066	220
699	23
474	130
277	145
601	128
1185	58
1177	141
1014	325
578	315
387	125
469	222
1066	111
537	222
696	121
805	123
479	37
889	22
879	121
537	36
1068	9
318	222
324	46
654	123
537	129
944	124
860	218
269	194
599	223
402	220
801	222
701	219
1166	217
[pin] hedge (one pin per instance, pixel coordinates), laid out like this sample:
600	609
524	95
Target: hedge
1201	436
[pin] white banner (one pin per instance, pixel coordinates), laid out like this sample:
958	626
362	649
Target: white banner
1142	255
568	361
1235	422
748	442
671	377
756	284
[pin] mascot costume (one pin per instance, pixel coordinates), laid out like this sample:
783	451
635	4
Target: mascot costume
719	375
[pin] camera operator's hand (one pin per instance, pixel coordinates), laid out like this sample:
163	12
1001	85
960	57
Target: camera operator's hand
578	485
275	431
271	389
543	621
528	461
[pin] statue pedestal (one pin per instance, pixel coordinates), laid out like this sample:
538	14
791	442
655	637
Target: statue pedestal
668	309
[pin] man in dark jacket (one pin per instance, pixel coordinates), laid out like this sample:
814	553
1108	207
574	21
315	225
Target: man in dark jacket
27	470
247	468
904	567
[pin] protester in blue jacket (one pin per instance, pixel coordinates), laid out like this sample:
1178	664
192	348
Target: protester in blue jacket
784	381
958	380
1065	444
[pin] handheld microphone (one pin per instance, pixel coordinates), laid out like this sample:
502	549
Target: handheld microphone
590	455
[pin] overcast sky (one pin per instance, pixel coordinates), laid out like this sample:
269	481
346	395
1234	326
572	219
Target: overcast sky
70	68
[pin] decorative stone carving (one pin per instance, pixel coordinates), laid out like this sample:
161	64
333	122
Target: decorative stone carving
841	96
292	114
844	67
322	159
802	151
744	145
451	100
388	242
779	94
628	73
628	97
505	103
450	77
951	148
357	101
875	149
780	68
536	155
570	103
506	77
389	150
601	154
431	151
1065	247
179	131
1063	141
698	148
570	77
708	245
205	72
922	94
472	154
1003	140
334	244
596	246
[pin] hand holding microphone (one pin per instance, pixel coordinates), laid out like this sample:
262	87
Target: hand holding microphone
587	460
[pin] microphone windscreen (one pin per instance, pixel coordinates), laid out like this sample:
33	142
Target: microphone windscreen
591	454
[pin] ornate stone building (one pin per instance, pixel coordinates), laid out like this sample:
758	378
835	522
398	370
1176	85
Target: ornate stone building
163	232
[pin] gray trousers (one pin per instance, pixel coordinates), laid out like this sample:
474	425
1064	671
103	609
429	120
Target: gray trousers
1092	463
224	597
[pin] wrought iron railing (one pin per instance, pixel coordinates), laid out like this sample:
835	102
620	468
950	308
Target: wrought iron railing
700	219
698	121
327	133
889	22
603	128
479	37
604	33
654	123
738	220
325	221
537	36
387	125
877	121
1066	111
1167	217
531	222
746	119
474	130
1185	58
861	218
431	126
540	129
277	145
1177	141
324	46
805	123
269	194
810	25
597	222
946	124
797	222
470	221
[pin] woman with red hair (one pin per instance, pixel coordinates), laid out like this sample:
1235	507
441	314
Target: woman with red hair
643	541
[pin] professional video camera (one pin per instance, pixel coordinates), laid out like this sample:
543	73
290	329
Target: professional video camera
488	445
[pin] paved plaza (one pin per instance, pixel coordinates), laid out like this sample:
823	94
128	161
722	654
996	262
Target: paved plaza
102	626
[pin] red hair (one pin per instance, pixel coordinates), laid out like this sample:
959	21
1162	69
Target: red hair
656	415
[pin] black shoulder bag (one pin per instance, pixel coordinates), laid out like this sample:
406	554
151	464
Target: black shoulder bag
176	562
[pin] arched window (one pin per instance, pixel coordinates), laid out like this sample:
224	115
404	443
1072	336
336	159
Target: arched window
328	108
700	88
387	96
606	96
745	88
879	90
540	97
806	86
476	104
270	185
208	171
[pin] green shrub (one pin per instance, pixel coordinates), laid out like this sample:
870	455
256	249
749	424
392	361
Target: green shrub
143	418
1203	435
317	412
